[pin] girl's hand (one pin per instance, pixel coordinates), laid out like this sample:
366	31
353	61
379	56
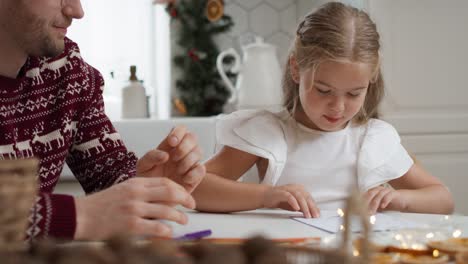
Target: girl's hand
382	198
177	158
292	197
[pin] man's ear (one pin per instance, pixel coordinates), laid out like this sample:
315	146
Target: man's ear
294	68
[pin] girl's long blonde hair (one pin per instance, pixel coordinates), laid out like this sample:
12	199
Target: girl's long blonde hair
336	32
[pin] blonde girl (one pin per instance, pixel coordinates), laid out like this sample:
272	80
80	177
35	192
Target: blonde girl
328	135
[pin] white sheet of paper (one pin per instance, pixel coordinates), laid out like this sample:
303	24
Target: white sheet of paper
331	222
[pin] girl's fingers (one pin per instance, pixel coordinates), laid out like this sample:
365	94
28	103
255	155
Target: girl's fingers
376	201
301	199
314	210
187	145
373	205
176	135
193	177
189	161
386	200
369	197
291	200
173	138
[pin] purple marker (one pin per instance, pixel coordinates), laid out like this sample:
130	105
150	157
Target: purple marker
195	235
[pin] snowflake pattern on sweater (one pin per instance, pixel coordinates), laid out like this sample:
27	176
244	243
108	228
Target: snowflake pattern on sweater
54	111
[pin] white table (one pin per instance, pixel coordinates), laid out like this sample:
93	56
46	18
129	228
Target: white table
277	224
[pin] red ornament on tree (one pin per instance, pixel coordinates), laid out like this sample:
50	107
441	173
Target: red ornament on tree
193	55
172	10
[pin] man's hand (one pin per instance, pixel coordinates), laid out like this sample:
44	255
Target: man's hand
133	207
177	158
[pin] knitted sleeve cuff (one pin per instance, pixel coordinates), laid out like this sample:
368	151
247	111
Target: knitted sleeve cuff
61	216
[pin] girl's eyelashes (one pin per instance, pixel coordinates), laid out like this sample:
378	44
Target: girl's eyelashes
350	94
322	91
354	94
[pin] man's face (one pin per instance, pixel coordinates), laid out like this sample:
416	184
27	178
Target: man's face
38	27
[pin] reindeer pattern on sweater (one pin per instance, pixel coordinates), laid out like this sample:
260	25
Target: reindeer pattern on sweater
54	111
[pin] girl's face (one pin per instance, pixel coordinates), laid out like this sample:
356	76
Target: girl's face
332	96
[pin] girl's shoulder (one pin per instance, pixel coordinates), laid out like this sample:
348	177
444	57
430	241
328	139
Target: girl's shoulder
382	157
257	121
258	132
259	114
380	129
378	136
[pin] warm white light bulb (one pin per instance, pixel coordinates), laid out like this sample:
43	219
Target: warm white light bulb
457	233
430	235
340	212
372	219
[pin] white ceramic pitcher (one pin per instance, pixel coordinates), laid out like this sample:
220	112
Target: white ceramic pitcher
258	82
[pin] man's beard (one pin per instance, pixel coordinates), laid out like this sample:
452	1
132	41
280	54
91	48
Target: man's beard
34	35
47	47
41	43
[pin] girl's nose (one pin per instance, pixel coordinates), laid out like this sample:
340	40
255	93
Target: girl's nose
336	104
72	8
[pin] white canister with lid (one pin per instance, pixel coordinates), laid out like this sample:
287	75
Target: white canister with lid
134	100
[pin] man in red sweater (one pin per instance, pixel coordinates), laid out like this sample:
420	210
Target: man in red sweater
51	107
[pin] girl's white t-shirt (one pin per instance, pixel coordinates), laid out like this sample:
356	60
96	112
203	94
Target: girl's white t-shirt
327	164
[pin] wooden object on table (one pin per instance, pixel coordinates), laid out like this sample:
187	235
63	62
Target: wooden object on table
415	259
451	246
296	241
354	207
462	257
18	188
384	258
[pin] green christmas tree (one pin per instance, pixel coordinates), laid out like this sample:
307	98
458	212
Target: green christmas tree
200	89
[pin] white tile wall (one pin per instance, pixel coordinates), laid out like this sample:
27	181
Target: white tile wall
274	20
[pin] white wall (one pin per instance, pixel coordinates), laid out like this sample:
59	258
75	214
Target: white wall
425	64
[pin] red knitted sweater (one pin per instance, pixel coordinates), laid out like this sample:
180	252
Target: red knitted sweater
54	111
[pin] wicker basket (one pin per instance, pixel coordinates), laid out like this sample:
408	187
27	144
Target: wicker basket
18	187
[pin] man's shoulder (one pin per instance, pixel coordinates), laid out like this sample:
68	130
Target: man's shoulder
70	44
72	51
70	73
73	56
